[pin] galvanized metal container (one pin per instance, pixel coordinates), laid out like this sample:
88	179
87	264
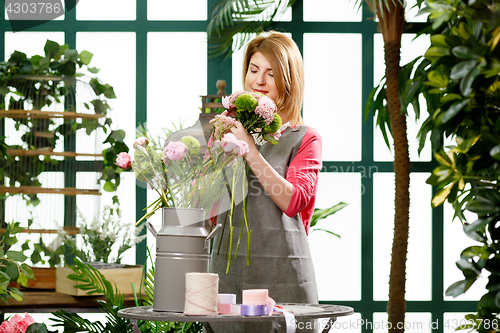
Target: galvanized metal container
182	246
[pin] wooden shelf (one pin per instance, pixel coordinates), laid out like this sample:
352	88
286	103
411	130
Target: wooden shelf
39	114
67	229
38	152
36	190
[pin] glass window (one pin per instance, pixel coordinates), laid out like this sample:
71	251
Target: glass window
332	98
30	43
418	271
337	261
115	56
109	10
176	80
331	11
170	10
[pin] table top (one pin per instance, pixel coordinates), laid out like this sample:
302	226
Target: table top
299	310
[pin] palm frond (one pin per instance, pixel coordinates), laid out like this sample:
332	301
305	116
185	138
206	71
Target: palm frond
72	323
232	17
320	214
94	282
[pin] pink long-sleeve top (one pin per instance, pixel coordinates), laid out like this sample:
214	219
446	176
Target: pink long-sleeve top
303	174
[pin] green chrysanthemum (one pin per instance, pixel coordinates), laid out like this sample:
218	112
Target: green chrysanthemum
274	126
192	145
245	102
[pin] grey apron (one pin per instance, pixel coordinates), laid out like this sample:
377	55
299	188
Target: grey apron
280	260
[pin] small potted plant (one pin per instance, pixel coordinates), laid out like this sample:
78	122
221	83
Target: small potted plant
101	244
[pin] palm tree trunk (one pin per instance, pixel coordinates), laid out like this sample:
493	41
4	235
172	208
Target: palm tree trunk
391	22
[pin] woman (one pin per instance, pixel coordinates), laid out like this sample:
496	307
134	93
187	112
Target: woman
282	187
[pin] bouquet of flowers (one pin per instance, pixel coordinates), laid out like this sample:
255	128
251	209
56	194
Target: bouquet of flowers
182	176
257	114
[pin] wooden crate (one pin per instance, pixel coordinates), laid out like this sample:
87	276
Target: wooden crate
45	278
122	277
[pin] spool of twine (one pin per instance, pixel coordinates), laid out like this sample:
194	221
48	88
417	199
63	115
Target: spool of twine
201	294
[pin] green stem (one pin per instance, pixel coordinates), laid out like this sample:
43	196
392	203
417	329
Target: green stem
231	228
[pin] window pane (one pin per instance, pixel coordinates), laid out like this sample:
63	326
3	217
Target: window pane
115	56
329	252
175	79
332	98
455	241
452	320
109	10
31	43
177	10
418	271
331	11
409	50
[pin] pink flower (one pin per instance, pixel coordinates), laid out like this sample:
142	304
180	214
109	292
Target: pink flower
266	113
175	150
231	145
17	324
142	141
267	103
225	102
124	161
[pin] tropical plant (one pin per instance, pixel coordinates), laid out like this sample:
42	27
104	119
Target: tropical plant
233	22
93	282
320	214
460	80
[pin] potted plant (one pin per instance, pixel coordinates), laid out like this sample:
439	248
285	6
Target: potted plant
101	244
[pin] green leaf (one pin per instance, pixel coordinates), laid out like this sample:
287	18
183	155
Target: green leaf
452	111
463	52
15	296
320	214
109	186
27	271
86	57
22	280
436	52
476	225
51	49
93	70
37	328
439	40
461	69
16	256
466	82
459	287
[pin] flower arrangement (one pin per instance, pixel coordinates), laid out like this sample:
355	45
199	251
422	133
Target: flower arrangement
103	236
17	324
182	176
257	113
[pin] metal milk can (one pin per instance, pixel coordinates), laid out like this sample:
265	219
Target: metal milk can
182	246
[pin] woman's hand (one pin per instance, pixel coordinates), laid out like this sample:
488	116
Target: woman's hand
278	188
241	134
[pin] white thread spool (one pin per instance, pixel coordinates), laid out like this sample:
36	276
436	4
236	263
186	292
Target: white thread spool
201	294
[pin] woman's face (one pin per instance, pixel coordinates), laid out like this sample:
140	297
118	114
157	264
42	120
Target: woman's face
259	77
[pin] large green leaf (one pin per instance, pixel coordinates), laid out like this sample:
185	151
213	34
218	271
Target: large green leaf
459	287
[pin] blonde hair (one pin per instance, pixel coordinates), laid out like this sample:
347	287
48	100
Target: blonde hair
288	70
